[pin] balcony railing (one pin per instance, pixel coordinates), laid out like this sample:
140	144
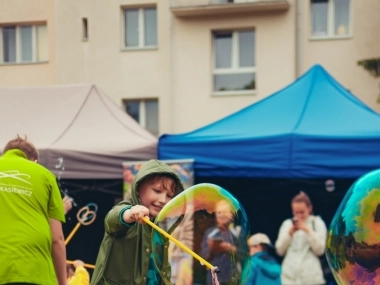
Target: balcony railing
199	8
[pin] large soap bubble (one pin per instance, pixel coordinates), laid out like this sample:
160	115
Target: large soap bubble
211	222
353	240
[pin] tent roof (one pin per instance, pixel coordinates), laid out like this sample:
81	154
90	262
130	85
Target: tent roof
312	128
78	123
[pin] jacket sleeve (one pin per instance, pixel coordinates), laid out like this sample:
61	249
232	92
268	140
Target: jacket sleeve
284	238
317	236
112	223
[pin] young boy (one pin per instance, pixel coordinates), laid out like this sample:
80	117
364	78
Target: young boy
125	253
264	267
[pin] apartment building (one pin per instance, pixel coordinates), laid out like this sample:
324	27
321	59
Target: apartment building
177	65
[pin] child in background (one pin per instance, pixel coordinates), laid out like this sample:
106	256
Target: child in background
77	274
264	267
125	252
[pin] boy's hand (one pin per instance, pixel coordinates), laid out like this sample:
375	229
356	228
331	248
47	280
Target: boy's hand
135	214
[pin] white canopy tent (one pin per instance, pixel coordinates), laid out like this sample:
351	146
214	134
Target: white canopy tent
79	132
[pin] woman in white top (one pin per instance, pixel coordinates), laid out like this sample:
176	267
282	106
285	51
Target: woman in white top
302	240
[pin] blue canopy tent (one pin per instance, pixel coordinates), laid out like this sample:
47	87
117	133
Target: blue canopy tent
313	135
313	128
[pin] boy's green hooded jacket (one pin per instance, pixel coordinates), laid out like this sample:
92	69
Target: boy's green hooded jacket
124	253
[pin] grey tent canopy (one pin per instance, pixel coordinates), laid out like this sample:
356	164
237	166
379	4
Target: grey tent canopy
79	132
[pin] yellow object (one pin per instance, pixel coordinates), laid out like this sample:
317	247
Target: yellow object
82	216
72	233
81	277
181	245
85	265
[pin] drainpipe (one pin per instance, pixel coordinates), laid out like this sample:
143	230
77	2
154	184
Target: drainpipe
171	76
298	38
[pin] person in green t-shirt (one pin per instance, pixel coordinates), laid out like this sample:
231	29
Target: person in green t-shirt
32	247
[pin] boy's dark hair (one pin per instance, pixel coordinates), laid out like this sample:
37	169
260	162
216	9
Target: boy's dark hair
176	188
24	145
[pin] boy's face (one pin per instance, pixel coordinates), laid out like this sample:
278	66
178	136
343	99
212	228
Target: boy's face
155	194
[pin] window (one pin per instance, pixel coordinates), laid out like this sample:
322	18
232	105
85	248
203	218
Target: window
140	28
145	112
24	44
234	62
330	18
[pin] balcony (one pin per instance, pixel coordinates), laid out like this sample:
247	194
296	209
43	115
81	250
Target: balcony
202	8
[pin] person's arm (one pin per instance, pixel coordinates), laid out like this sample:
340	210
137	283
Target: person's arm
58	251
112	222
135	214
317	236
284	238
123	216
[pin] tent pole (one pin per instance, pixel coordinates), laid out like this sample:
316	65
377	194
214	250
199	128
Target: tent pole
298	57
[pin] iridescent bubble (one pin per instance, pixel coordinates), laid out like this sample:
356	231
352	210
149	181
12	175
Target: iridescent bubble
353	239
212	223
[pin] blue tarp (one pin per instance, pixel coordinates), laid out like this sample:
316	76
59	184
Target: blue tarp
313	128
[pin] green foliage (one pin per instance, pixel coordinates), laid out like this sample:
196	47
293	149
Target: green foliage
371	65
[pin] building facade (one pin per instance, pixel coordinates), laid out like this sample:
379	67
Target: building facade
177	65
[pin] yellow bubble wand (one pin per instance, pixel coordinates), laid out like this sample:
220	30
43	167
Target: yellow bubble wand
181	245
85	217
85	264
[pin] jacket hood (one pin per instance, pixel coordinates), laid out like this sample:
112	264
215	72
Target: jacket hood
268	265
151	167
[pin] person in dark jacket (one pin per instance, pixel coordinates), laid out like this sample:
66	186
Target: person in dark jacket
265	270
125	255
220	245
